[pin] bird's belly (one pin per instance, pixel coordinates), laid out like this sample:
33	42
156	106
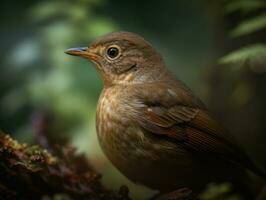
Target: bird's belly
143	159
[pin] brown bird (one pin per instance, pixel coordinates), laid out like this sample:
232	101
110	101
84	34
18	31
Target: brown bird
152	127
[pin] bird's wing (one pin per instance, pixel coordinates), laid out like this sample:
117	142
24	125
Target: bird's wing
189	125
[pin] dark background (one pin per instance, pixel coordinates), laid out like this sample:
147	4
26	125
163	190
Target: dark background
216	47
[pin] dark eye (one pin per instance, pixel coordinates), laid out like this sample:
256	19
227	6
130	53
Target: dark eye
113	52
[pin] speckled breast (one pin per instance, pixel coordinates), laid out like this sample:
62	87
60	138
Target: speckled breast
136	154
116	131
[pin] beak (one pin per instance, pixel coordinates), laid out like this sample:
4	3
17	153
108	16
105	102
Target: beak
84	52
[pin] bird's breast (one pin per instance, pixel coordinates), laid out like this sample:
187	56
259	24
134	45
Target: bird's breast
115	127
135	153
109	115
118	132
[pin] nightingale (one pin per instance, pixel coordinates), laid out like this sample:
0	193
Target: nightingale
152	127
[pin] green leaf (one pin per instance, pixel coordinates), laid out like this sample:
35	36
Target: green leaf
221	191
254	55
250	25
244	6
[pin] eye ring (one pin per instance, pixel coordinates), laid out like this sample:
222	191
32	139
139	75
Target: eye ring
113	52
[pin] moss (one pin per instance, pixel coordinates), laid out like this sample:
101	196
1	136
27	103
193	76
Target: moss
30	172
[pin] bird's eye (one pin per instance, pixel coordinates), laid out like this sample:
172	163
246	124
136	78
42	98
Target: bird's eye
113	52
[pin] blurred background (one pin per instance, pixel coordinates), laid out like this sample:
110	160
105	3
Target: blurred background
216	47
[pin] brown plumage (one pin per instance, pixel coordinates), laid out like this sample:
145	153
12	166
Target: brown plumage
152	127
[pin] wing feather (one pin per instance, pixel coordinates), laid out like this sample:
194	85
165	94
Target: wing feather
194	129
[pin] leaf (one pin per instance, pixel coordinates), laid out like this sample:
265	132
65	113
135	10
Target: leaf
254	54
244	6
219	191
250	25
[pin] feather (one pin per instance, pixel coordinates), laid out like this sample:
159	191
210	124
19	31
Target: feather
194	129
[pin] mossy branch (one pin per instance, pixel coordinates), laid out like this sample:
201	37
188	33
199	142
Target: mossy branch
30	172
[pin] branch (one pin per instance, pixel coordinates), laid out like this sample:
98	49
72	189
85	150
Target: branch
30	172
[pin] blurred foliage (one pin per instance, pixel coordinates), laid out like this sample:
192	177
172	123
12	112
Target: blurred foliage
238	81
219	192
250	25
55	83
251	54
244	6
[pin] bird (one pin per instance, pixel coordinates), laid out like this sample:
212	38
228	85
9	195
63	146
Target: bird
152	127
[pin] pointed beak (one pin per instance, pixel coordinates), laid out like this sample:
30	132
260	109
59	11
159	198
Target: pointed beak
76	51
84	52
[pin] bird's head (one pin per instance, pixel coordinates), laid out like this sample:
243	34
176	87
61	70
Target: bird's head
122	58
